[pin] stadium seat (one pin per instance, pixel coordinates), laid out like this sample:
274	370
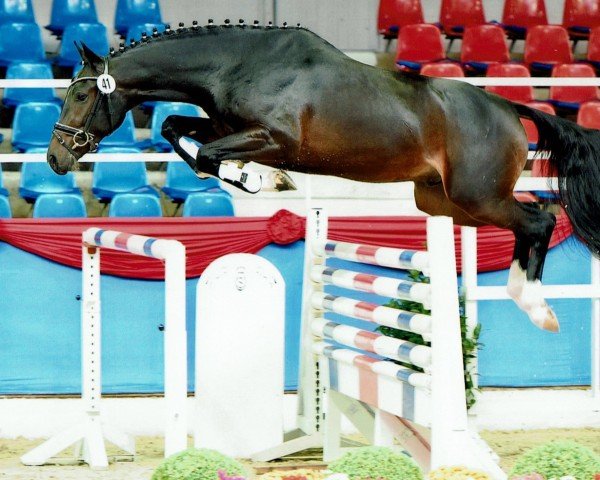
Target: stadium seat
589	115
135	31
21	42
16	96
20	11
394	14
483	45
136	12
530	128
69	12
135	205
5	211
37	178
546	46
580	16
208	204
519	15
124	136
59	205
515	94
92	34
442	69
593	50
161	111
571	97
3	191
456	15
33	124
417	45
111	178
181	180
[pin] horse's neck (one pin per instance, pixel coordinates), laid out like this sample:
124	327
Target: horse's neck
171	70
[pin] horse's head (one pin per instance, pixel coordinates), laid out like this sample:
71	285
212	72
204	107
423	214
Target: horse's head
94	107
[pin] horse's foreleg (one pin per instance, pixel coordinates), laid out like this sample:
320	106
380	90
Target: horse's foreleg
226	159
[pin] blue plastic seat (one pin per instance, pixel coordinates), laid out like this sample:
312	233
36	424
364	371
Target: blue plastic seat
3	191
124	136
208	204
161	111
16	11
92	34
181	180
68	12
5	211
135	31
135	205
37	178
21	42
33	124
112	178
15	96
136	12
59	205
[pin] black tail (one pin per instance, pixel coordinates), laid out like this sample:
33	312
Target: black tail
575	160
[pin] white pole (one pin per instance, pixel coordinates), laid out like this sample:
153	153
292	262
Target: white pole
91	370
175	349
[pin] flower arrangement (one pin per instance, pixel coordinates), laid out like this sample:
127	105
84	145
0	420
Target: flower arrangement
559	459
199	464
458	473
376	463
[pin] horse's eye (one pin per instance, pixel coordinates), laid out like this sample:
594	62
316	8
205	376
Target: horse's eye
81	97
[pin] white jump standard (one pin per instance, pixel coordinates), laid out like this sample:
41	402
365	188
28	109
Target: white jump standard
88	436
354	369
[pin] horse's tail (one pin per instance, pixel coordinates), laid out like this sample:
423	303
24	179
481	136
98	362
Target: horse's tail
575	160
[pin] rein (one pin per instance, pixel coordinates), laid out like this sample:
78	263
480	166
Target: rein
82	136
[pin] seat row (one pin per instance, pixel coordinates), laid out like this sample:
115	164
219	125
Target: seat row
22	42
482	45
123	186
33	123
579	16
128	13
566	99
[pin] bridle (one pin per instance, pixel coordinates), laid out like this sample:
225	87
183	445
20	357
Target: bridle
82	136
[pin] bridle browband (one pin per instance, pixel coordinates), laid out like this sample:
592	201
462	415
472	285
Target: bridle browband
82	136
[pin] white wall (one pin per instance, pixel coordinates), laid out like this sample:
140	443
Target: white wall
348	24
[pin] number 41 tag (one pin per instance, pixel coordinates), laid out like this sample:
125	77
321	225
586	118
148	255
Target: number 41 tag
106	83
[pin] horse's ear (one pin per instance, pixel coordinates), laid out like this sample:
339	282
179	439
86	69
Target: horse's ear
89	57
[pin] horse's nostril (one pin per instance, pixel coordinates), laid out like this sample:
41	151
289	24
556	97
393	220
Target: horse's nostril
52	160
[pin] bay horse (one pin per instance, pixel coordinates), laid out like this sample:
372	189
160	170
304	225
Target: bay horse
287	99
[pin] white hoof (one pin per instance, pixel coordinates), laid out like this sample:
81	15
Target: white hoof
533	303
544	317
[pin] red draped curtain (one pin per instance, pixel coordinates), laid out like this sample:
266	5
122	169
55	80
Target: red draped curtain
206	239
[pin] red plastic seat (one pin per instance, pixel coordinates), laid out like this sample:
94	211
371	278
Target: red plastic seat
516	94
456	15
546	46
442	70
519	15
418	44
593	50
394	14
580	16
482	45
571	97
589	115
538	166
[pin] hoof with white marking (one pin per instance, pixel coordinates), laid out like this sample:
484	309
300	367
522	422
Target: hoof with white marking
277	181
533	303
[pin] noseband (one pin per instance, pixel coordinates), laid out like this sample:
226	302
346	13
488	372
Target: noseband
82	137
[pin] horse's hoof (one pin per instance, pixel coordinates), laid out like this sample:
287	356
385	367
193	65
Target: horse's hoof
202	175
278	181
544	317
